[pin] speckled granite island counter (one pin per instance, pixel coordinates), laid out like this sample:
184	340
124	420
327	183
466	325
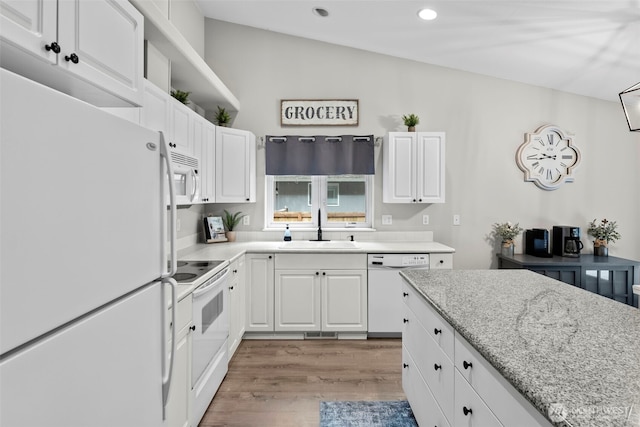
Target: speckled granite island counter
574	355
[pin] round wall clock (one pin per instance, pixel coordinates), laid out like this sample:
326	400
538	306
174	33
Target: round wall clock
548	157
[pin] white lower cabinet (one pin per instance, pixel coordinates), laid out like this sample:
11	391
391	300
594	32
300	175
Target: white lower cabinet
320	292
440	367
178	403
237	310
260	292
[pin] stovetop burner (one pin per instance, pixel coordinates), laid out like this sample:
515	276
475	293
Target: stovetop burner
181	277
190	271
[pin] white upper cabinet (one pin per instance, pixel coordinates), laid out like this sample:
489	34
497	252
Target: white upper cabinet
96	47
235	161
204	139
413	167
156	109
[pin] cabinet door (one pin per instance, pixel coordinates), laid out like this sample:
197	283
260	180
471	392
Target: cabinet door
297	300
399	168
107	36
155	112
235	160
180	390
260	292
236	305
181	118
430	152
207	162
344	300
30	25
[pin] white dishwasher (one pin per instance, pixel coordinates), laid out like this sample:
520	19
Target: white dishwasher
385	294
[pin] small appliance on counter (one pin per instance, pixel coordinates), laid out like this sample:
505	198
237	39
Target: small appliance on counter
537	243
566	241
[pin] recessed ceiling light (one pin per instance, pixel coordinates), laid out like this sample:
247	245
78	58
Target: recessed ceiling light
427	14
321	12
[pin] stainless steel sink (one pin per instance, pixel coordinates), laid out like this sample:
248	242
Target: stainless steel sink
328	244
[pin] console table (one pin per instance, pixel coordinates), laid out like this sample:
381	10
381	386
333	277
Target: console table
610	276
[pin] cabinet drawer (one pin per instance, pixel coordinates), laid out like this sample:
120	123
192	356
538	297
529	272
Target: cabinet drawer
423	404
317	261
507	403
436	368
470	410
433	323
440	261
184	315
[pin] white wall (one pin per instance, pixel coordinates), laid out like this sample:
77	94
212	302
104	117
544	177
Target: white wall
189	20
485	120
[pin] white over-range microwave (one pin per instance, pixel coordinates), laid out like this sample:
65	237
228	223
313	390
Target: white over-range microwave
186	179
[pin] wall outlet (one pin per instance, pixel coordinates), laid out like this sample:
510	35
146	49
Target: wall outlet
246	220
456	219
387	220
425	219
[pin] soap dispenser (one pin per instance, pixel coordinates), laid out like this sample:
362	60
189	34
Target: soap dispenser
287	234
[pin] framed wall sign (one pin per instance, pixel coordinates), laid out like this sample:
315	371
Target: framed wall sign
319	112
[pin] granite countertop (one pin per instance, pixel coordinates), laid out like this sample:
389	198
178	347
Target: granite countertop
555	343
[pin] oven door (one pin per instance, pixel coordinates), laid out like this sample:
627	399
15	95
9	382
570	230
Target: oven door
186	182
211	320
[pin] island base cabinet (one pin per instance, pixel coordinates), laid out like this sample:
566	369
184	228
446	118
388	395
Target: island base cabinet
470	410
423	404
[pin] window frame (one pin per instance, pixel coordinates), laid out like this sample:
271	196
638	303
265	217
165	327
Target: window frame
319	183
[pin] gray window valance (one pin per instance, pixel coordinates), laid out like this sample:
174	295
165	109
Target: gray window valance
320	155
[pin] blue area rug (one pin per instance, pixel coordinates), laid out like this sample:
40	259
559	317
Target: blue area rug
366	414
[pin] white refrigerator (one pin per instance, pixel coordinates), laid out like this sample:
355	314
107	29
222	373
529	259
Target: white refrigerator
83	268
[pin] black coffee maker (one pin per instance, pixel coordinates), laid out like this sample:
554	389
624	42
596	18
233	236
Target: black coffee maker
566	241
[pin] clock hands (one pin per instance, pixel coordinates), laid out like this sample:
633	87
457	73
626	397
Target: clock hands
544	156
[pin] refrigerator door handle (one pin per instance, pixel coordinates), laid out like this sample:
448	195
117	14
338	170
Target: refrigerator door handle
167	362
173	258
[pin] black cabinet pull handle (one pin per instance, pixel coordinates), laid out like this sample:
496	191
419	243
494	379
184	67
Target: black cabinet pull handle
437	331
55	47
404	365
419	200
404	294
235	271
317	273
467	365
230	288
441	261
193	327
405	320
466	410
414	200
73	58
247	200
436	366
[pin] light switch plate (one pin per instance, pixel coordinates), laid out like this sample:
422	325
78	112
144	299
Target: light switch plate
387	220
456	219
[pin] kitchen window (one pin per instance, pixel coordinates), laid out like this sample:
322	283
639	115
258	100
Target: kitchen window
343	200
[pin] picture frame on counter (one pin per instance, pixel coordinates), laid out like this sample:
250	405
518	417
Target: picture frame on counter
319	112
214	229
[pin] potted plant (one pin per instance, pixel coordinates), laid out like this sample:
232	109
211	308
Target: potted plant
604	232
230	221
507	232
411	121
181	96
221	117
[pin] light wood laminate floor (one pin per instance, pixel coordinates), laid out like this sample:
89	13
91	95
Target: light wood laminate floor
281	383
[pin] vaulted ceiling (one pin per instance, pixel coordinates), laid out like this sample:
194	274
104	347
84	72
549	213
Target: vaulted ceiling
587	47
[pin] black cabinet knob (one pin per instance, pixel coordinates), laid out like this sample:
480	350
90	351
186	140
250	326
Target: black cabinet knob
317	273
270	256
420	200
436	366
405	320
230	288
324	273
441	261
73	58
404	365
437	331
414	200
235	271
193	327
247	199
466	410
404	294
467	365
55	47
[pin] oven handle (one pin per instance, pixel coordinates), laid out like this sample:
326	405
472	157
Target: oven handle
167	371
204	289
